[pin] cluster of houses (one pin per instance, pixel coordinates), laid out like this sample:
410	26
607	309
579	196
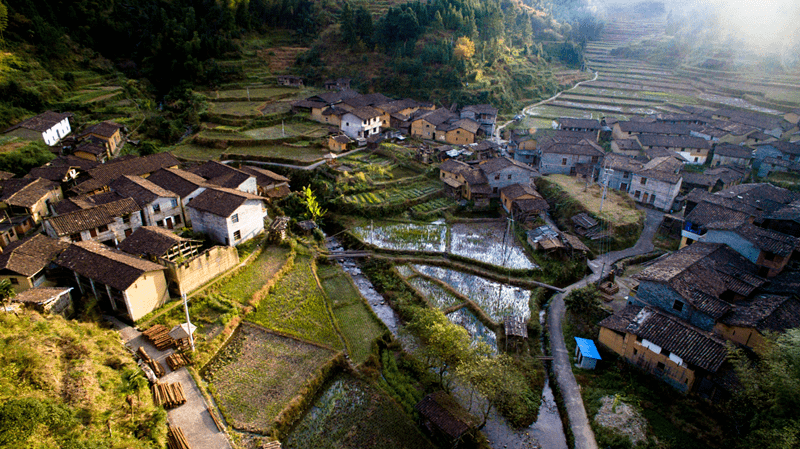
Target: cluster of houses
648	156
361	118
730	284
107	227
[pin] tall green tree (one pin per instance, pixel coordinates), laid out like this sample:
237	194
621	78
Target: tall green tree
315	211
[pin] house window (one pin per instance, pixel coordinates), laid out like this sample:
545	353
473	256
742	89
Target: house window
156	208
677	306
93	232
509	176
695	159
595	159
660	366
160	223
174	202
237	235
644	181
126	218
14	281
177	219
496	177
626	174
652	199
235	218
564	161
103	228
75	237
635	351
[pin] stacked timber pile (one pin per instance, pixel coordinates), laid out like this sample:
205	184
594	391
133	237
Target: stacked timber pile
159	337
157	368
176	439
168	395
177	360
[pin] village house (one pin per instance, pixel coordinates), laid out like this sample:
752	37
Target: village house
108	223
102	175
458	132
770	250
56	300
187	267
26	263
666	347
768	125
565	158
484	114
633	129
657	183
227	216
361	123
270	184
706	212
759	137
401	109
693	149
502	172
617	171
726	154
523	202
714	179
451	173
627	147
523	147
786	151
290	81
424	123
92	149
125	285
337	84
750	322
109	133
476	187
159	206
7	232
338	144
579	125
49	127
771	165
223	175
30	196
185	184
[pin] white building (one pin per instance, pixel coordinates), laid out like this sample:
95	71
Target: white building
361	122
48	126
228	216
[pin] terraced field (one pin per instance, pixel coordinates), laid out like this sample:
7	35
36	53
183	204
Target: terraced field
628	87
393	196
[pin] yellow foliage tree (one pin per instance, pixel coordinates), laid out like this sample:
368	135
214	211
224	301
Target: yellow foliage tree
464	48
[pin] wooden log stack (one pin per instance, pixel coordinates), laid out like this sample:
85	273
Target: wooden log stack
158	335
177	360
176	439
168	395
158	368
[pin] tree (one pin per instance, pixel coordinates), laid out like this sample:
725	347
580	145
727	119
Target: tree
583	301
464	48
315	211
6	292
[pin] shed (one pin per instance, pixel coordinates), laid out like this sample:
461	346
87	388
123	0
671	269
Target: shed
307	226
277	229
181	333
586	353
446	419
516	331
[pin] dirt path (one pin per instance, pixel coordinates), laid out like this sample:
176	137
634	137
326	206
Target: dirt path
562	366
193	416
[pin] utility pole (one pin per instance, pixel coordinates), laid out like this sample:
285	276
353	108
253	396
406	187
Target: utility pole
607	174
188	322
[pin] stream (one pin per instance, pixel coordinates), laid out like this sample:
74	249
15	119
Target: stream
547	432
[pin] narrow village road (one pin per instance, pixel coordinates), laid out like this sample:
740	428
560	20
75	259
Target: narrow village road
562	366
193	416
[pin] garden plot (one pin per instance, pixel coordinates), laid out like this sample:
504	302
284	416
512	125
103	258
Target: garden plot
291	129
257	373
432	206
405	236
393	196
477	331
495	299
487	242
353	414
437	296
406	271
237	108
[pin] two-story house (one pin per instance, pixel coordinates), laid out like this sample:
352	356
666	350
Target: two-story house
185	184
502	172
223	175
270	184
49	127
618	170
108	223
160	207
564	158
523	202
484	114
24	263
361	123
726	154
109	133
228	216
30	196
694	149
657	183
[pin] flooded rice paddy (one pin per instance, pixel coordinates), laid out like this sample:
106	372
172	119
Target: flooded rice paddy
477	331
437	296
486	241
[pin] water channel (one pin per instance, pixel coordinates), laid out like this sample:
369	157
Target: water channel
547	432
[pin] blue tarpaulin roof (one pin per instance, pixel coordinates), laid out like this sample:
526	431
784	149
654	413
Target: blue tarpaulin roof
588	349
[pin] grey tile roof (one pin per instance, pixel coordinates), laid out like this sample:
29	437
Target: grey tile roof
105	265
150	241
85	219
220	202
30	255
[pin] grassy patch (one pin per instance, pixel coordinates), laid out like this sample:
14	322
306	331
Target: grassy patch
242	286
295	305
291	129
237	108
617	208
357	322
64	384
258	373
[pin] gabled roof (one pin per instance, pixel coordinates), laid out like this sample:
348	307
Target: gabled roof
497	164
771	313
105	129
30	255
621	163
141	190
454	166
650	140
581	123
762	196
664	169
763	239
481	109
40	295
582	148
72	161
220	202
74	203
334	97
221	175
25	192
367	100
653	128
735	151
466	124
85	219
706	213
55	173
515	191
365	112
41	122
150	241
91	147
628	144
435	117
446	414
266	177
176	180
692	345
102	175
105	265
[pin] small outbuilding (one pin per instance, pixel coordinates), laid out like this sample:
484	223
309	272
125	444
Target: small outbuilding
586	354
447	421
181	333
277	229
516	331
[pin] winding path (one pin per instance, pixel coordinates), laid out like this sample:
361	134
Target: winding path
570	391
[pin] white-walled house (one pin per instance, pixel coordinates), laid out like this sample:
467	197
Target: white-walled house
361	122
108	223
228	216
49	127
160	207
222	175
